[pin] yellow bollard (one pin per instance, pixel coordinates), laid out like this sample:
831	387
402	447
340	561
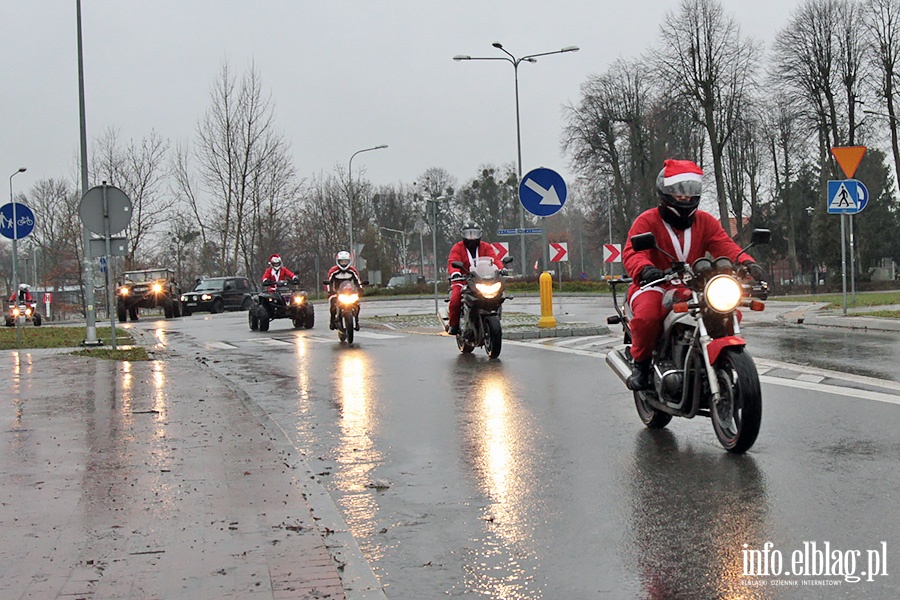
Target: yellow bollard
547	318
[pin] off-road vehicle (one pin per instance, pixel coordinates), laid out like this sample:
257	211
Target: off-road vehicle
153	288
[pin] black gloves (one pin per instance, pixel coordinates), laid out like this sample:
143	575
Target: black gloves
754	270
650	274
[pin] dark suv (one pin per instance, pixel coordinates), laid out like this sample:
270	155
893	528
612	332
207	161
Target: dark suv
218	294
153	288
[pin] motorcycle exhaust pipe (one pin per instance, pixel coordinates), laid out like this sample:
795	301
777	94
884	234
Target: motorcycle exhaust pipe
618	362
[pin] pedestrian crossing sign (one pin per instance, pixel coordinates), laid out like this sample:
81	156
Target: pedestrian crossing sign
846	197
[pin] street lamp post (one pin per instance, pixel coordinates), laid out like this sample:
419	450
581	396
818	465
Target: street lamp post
434	202
511	59
15	254
403	249
350	194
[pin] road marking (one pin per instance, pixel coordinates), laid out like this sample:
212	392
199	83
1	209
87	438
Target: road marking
832	389
219	345
376	336
270	342
792	383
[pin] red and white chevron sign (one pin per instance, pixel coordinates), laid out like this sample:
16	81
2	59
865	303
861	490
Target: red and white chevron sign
562	251
612	253
501	248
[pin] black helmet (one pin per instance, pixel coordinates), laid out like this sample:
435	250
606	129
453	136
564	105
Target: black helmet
679	185
471	231
471	235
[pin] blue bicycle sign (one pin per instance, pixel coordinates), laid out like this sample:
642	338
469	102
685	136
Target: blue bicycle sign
19	227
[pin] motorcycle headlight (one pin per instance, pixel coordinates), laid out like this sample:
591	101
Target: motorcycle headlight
348	298
123	291
489	290
723	293
157	288
299	300
27	312
206	297
15	312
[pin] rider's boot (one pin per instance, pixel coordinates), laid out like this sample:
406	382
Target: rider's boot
640	376
332	323
453	330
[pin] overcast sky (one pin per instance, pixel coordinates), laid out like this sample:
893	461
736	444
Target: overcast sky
344	75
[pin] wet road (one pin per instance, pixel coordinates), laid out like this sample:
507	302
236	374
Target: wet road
531	476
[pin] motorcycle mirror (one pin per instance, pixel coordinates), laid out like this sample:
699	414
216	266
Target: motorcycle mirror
457	264
760	236
643	241
507	259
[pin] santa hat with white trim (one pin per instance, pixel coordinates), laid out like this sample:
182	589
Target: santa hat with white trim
680	178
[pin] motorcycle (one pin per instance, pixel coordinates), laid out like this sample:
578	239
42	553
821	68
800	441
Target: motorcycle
700	365
25	310
482	306
347	319
283	300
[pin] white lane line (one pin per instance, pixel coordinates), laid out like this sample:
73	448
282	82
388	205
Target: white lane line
271	342
376	336
831	389
219	346
791	383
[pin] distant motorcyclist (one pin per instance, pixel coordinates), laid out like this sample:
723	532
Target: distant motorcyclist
342	271
22	295
467	251
276	271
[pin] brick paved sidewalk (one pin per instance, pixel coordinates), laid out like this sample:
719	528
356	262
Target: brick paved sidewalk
147	480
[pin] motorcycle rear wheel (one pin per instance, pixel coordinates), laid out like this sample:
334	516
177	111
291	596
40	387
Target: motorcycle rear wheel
650	417
736	418
493	337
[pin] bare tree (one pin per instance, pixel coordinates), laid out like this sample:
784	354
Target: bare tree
140	169
245	167
705	59
883	26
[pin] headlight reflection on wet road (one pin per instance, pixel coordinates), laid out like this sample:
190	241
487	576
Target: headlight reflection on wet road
499	436
356	454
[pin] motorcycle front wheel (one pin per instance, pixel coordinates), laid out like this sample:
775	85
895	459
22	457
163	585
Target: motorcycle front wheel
493	337
348	326
737	416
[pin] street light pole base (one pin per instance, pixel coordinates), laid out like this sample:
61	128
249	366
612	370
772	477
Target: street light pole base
93	343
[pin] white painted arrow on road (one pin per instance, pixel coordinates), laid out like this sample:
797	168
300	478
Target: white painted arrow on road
548	197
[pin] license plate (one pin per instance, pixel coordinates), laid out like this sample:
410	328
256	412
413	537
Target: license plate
191	304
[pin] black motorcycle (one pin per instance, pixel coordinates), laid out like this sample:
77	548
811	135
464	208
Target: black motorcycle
282	300
482	306
700	365
347	319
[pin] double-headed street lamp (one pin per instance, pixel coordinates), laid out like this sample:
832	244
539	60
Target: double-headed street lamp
511	59
350	194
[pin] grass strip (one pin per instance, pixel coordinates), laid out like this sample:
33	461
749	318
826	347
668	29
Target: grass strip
48	336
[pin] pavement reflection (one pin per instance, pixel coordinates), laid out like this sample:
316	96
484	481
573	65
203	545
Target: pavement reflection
673	488
355	453
499	447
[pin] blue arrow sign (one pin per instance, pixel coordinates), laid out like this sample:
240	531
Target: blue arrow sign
846	197
542	192
24	221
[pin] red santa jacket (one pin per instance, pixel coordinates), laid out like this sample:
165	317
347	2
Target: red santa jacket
280	274
459	253
704	236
